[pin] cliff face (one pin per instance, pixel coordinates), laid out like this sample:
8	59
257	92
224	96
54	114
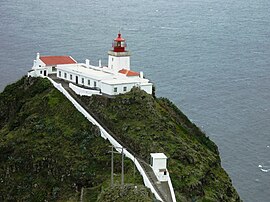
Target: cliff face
49	151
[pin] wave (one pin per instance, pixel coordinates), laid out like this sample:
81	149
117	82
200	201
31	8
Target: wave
131	29
170	28
265	169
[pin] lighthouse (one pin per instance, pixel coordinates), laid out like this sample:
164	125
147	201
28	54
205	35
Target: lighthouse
87	79
119	57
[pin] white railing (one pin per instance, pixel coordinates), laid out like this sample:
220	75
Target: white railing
82	91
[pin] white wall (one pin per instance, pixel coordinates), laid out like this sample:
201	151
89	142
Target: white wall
49	70
73	79
40	71
31	73
159	164
160	176
38	63
148	88
118	63
105	88
83	91
40	66
109	89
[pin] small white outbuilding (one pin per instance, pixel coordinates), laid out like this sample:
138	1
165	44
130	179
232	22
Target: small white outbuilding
45	65
159	166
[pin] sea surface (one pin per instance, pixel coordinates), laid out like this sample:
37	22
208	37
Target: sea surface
210	57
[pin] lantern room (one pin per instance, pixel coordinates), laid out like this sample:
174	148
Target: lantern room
119	57
119	44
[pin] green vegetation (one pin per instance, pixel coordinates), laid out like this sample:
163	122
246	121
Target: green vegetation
48	150
147	124
126	194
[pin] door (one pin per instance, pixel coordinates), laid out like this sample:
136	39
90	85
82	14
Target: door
76	79
45	73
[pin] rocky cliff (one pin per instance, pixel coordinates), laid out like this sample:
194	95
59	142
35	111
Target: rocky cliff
49	151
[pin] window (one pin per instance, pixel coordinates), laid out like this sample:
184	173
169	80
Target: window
112	59
115	90
95	84
59	73
70	76
53	69
40	72
125	88
65	75
39	65
88	82
82	80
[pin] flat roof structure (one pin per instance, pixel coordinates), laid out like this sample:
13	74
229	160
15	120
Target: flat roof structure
104	74
158	155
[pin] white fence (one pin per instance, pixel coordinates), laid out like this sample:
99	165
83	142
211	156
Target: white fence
82	91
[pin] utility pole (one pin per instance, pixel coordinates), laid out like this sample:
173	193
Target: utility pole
122	177
112	168
134	169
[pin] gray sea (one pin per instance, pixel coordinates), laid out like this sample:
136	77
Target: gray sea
210	57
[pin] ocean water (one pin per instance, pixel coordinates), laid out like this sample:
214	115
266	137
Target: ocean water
210	57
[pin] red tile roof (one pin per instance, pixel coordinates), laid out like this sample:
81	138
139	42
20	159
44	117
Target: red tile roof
129	72
57	60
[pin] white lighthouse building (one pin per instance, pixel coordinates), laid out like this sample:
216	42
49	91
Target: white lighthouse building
119	57
116	78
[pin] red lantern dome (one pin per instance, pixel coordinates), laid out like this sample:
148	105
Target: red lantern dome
119	44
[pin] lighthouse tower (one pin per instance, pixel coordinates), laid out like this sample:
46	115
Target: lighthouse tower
119	57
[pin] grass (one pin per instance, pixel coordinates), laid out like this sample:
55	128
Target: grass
49	151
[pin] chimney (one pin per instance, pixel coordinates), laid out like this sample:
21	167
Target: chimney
141	75
38	55
35	63
87	62
99	63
